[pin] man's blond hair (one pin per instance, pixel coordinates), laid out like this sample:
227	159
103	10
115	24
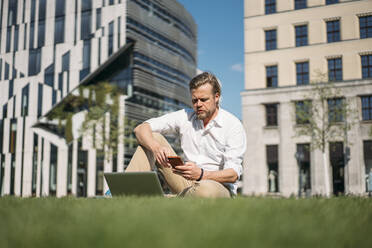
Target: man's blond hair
205	78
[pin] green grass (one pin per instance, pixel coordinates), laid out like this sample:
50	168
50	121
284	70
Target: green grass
160	222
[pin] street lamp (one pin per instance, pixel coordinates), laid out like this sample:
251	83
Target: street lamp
299	155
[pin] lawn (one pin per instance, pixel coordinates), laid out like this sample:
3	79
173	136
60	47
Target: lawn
161	222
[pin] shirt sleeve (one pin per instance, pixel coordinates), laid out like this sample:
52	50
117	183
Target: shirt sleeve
235	149
168	123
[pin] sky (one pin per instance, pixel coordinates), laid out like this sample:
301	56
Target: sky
221	45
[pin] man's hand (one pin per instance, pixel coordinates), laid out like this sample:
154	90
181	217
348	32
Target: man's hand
161	154
189	171
144	136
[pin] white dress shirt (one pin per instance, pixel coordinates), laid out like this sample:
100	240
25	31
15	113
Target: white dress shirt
220	145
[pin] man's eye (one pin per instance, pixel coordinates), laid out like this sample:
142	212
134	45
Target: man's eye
204	99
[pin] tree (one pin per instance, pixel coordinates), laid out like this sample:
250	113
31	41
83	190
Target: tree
100	102
325	115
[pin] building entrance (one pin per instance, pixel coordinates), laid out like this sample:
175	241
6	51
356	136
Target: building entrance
336	151
367	147
81	187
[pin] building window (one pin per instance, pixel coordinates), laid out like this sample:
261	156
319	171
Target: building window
41	34
99	172
273	168
302	73
366	66
34	62
6	71
10	91
271	114
301	35
25	97
12	12
335	69
367	148
53	170
60	8
69	168
333	31
86	21
335	110
119	31
366	108
336	157
270	39
111	38
12	173
365	26
16	36
13	136
303	112
40	100
86	59
42	7
86	5
271	76
1	138
59	30
331	1
34	164
8	39
300	4
33	10
49	75
98	18
303	160
270	6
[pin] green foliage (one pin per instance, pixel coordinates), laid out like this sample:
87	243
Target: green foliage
315	119
159	222
98	100
103	99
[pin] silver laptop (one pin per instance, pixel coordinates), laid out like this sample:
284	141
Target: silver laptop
134	183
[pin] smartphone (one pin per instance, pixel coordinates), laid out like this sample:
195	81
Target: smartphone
175	160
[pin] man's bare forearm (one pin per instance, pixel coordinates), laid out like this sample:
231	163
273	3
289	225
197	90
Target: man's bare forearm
144	136
222	176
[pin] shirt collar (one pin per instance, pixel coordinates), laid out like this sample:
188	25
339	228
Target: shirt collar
218	120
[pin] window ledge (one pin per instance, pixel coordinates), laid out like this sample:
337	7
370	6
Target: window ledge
270	127
302	125
366	121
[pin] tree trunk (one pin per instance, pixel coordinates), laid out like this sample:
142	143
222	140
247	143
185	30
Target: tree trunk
326	176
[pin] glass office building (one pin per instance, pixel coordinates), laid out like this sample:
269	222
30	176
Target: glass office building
49	50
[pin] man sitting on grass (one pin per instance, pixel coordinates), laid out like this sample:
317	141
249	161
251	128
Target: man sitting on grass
212	139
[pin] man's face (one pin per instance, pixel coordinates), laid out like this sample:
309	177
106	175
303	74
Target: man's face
204	101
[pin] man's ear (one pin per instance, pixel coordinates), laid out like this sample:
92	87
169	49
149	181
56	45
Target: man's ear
217	97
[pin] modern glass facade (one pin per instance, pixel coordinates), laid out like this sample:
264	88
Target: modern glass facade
46	54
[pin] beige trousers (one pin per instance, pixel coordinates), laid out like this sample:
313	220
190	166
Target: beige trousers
143	160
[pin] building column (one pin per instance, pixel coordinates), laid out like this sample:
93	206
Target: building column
45	170
254	165
27	159
39	168
74	166
62	166
18	160
288	168
121	124
91	177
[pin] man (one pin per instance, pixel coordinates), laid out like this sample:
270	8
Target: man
213	142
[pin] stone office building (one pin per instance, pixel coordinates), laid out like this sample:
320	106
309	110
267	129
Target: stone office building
50	49
286	42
